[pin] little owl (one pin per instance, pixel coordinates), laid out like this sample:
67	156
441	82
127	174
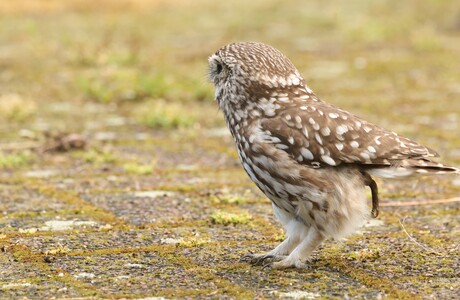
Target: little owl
311	159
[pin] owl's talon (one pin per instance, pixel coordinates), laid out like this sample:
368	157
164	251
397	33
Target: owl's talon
260	261
267	267
256	259
285	264
246	257
251	258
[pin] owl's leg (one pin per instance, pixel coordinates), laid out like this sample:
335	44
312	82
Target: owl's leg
295	231
279	252
301	253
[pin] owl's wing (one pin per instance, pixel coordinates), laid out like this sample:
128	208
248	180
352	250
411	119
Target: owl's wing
320	134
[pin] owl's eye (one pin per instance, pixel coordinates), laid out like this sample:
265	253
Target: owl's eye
219	67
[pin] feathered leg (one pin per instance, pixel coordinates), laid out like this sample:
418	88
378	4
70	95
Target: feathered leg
302	252
279	252
295	233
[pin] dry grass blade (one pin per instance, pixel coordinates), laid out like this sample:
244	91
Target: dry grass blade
426	202
426	248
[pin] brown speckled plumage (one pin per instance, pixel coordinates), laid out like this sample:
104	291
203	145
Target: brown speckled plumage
311	159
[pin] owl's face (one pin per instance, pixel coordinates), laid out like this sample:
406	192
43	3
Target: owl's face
241	71
220	73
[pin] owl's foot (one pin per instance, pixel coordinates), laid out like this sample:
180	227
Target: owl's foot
259	259
286	263
298	257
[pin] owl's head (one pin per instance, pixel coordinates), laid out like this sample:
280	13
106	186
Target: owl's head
242	70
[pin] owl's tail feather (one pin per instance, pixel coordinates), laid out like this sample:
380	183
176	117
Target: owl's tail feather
412	166
425	166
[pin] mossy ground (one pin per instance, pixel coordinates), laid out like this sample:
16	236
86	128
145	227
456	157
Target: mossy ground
156	204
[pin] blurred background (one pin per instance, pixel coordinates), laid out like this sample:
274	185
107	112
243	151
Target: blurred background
108	70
